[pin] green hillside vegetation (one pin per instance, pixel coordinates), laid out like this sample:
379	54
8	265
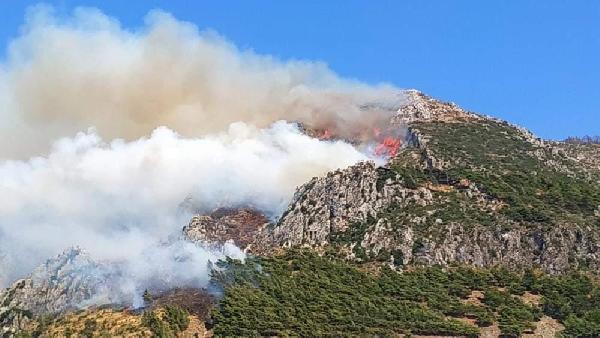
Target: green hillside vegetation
507	167
303	294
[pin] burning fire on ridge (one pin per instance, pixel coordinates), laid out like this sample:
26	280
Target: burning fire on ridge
388	147
387	141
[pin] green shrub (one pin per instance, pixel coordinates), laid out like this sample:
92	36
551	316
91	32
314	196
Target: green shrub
159	328
585	326
89	327
147	297
177	318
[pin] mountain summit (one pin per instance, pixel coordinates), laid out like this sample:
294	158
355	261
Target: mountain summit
465	188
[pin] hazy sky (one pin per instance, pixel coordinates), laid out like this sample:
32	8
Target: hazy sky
535	63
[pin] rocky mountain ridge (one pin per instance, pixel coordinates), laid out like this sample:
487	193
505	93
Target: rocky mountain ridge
464	189
65	282
437	203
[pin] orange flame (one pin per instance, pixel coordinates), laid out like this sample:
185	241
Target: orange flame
326	134
388	144
389	147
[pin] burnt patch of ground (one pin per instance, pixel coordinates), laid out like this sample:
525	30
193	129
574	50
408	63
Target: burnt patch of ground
196	301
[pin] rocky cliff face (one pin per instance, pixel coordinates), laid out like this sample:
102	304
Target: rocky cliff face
334	203
369	215
465	189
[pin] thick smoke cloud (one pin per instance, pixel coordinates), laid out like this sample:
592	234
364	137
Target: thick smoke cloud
119	199
105	131
65	75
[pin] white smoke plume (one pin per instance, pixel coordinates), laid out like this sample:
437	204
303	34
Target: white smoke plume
118	199
159	114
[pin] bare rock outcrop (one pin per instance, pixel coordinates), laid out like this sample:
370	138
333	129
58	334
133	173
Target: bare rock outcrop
333	203
555	250
422	108
226	224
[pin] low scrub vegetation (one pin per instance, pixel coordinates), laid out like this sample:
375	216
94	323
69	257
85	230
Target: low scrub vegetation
583	140
301	293
497	158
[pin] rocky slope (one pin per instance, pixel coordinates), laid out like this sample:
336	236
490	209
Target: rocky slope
69	295
239	225
465	189
65	282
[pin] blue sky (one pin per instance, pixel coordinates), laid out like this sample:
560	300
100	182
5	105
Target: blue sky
535	63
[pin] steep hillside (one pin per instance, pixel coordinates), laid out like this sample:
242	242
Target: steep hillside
474	227
465	188
174	313
302	294
63	283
